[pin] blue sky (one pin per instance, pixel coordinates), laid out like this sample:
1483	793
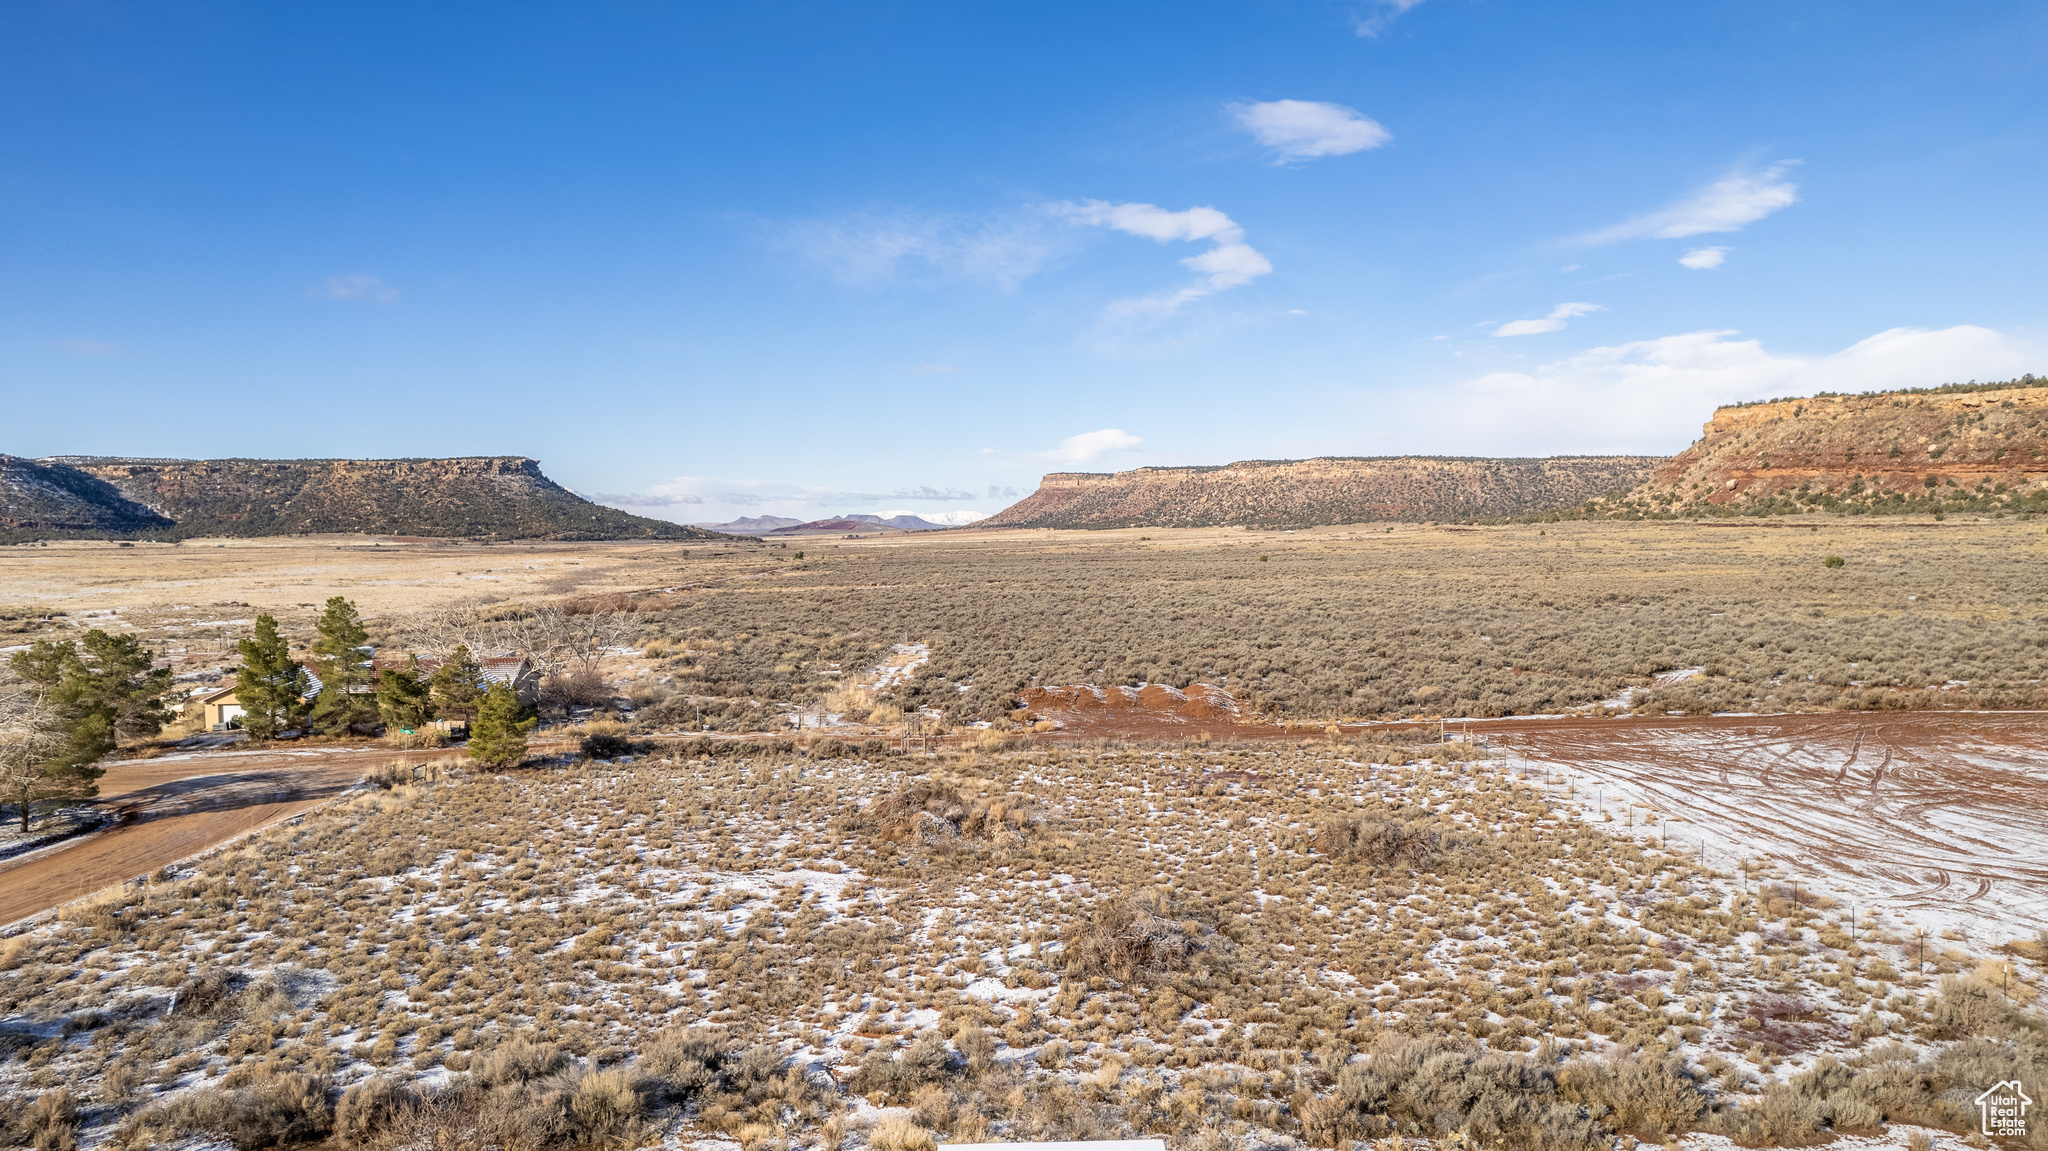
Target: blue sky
805	258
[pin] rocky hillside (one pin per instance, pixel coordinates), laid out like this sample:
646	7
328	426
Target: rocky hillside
1337	490
38	497
1981	447
491	497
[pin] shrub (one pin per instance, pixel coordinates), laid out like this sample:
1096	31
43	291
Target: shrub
607	746
1832	561
897	1133
370	1107
277	1110
1377	843
1132	939
926	1062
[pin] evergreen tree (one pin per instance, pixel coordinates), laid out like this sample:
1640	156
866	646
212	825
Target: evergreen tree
337	655
403	698
102	695
498	737
270	685
458	685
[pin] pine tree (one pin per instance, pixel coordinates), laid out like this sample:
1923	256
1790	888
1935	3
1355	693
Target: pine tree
457	685
403	698
498	737
107	693
270	685
344	699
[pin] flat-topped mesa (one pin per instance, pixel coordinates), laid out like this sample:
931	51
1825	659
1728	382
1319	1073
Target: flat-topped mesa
1879	449
1327	490
496	497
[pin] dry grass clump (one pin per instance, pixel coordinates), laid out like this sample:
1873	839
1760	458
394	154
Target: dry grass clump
590	953
269	1109
1378	843
932	812
1137	938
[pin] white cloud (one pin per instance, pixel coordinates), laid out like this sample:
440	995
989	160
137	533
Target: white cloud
1554	322
359	287
1381	14
1229	262
1005	248
1650	396
1306	129
654	499
1700	259
951	519
1726	205
1089	445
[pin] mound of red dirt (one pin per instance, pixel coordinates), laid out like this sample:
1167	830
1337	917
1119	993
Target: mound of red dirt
1085	706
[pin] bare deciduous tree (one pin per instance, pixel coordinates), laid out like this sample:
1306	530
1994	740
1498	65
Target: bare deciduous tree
436	631
31	733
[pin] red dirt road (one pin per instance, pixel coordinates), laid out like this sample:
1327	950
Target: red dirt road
175	806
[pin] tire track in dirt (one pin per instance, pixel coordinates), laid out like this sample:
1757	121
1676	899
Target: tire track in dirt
1933	828
169	808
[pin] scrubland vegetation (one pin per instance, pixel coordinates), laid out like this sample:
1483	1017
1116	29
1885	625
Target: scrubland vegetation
1233	946
1381	624
1358	623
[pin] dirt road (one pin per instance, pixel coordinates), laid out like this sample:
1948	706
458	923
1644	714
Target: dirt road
174	806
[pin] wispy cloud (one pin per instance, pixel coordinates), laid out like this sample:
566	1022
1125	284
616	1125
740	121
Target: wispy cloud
1729	204
1306	129
1229	262
1648	395
356	287
1380	14
927	492
696	491
1700	259
654	499
1003	248
1088	446
1554	322
954	518
88	348
1001	492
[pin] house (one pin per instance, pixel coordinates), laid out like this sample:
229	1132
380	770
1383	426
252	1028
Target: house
513	670
219	709
516	672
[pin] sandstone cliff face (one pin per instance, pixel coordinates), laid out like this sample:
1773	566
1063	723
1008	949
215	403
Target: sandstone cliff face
503	497
1303	493
1864	449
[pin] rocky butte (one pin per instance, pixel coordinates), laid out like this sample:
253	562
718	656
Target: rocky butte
1329	490
478	497
1973	447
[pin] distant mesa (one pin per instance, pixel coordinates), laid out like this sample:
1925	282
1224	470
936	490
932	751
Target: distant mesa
1330	490
837	525
478	497
1960	447
1977	447
751	525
